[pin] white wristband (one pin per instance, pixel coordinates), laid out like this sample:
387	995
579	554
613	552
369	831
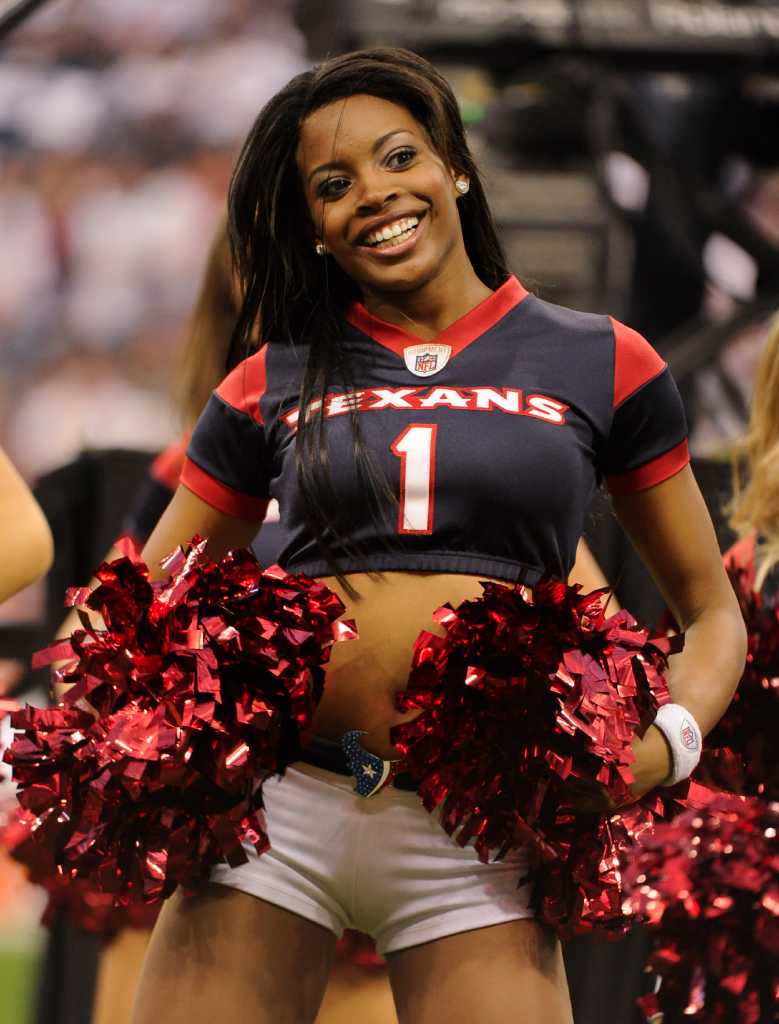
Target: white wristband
684	738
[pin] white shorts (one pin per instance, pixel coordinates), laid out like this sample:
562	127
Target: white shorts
382	865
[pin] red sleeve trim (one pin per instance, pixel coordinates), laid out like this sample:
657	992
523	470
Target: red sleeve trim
635	362
166	468
220	496
651	473
244	387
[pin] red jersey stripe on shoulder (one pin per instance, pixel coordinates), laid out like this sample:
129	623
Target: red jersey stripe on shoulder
661	468
166	468
459	334
635	361
245	385
220	496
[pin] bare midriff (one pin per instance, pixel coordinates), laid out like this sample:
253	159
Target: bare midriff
364	675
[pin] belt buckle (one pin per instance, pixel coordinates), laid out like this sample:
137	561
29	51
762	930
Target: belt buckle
371	773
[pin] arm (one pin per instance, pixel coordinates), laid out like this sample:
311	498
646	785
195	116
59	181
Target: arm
187	515
154	496
26	545
670	527
227	453
71	620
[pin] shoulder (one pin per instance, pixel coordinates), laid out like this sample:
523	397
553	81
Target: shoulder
244	387
573	323
577	346
631	358
636	363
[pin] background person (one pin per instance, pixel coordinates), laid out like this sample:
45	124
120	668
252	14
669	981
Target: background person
754	511
26	544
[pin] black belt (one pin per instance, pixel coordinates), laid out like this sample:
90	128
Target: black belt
330	755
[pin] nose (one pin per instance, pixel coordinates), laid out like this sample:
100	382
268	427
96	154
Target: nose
375	195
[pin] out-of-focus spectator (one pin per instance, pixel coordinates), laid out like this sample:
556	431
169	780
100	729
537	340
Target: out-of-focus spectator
86	401
29	267
119	125
135	245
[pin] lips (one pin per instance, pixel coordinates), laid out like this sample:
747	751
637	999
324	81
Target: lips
394	237
389	229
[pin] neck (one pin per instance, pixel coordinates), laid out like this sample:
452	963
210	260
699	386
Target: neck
428	310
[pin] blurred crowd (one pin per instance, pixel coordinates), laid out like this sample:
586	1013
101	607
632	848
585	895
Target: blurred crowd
119	125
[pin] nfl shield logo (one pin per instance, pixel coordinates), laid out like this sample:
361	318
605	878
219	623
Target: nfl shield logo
426	363
425	360
689	739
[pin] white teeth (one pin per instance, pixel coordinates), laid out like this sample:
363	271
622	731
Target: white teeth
391	232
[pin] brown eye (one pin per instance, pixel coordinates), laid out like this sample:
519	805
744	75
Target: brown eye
332	188
400	158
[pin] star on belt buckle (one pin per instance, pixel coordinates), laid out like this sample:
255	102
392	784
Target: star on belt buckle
370	772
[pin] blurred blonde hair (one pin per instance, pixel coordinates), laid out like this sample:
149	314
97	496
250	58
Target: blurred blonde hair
206	351
755	504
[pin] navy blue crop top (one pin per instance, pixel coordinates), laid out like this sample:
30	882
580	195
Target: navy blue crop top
494	437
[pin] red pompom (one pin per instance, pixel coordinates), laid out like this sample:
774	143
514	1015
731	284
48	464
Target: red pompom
708	883
525	700
202	685
740	752
77	901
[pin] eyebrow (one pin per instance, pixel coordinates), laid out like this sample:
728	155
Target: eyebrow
335	164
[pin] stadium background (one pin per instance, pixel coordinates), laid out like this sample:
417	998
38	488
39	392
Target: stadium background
631	153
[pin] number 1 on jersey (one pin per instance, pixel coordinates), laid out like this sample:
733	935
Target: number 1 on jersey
415	447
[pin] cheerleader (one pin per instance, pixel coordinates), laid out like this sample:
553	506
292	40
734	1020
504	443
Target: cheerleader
424	423
754	510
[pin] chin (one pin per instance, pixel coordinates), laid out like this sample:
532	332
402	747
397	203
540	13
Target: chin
400	284
400	278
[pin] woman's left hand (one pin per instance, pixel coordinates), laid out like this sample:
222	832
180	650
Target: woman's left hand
652	766
671	529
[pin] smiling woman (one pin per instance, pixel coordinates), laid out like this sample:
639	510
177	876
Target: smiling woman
367	251
385	208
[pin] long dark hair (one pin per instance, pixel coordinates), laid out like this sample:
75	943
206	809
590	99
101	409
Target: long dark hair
300	297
